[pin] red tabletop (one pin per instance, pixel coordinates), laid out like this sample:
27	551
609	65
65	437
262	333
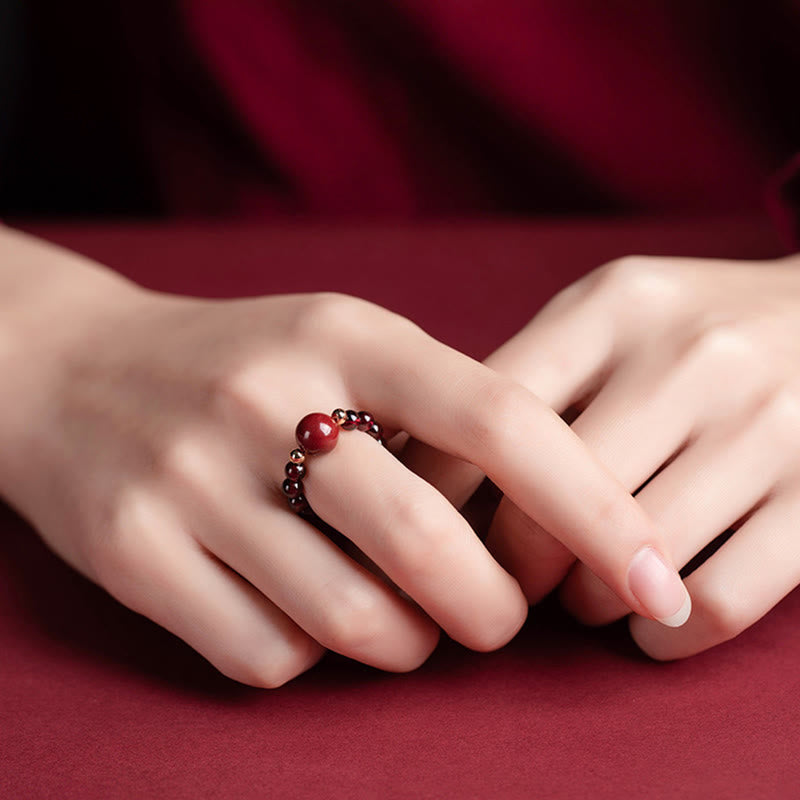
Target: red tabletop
96	702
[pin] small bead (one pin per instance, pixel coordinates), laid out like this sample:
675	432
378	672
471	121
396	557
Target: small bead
292	488
375	431
365	419
297	456
299	504
338	415
317	433
295	472
382	442
351	420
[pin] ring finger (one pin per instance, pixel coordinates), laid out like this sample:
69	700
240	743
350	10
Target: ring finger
418	539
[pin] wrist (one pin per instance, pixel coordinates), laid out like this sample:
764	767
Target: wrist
52	306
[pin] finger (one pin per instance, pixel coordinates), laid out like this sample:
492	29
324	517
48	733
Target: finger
633	426
745	578
538	561
714	483
161	572
418	539
335	600
560	355
466	409
641	418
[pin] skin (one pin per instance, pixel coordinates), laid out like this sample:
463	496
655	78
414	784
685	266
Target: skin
683	377
144	436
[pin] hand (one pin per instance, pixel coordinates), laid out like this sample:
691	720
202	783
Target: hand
145	437
685	378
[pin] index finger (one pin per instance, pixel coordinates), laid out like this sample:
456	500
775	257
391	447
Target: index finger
464	408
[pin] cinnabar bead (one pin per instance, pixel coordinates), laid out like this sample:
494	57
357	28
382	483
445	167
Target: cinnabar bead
317	433
365	419
351	419
295	472
292	488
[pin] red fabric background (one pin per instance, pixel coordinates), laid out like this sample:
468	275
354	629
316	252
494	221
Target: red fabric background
401	108
411	108
96	702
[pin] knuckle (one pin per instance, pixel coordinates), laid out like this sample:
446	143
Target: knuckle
233	387
725	611
612	512
639	281
120	538
243	397
184	459
407	510
353	622
724	341
782	407
413	538
331	316
492	415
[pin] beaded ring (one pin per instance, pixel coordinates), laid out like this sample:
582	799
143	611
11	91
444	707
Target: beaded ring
318	433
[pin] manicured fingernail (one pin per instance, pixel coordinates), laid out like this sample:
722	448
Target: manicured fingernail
659	588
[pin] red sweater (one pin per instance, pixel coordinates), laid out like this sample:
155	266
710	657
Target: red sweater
412	108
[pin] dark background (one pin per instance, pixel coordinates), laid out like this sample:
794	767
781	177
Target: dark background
66	140
71	143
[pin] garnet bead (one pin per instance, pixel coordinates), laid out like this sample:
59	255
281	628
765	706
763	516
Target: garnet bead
295	472
351	420
292	488
365	419
375	431
317	433
299	504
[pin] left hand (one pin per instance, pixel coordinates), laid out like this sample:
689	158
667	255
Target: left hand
685	377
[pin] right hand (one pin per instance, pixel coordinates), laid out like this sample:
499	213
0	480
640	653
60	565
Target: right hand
145	437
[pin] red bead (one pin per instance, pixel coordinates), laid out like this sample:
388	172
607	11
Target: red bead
317	433
375	431
365	419
292	488
351	419
295	472
299	504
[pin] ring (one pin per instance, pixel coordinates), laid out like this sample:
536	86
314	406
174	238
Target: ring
318	433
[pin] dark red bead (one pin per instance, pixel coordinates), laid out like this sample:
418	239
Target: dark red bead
299	504
365	419
351	419
317	433
292	488
375	431
295	472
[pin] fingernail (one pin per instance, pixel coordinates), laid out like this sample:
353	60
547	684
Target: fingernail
659	588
